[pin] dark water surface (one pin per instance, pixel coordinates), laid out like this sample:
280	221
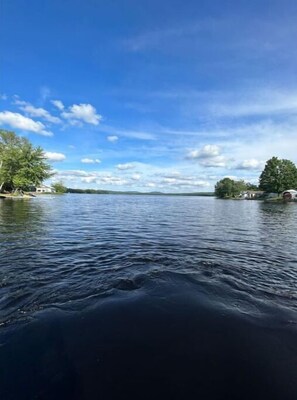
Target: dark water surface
142	297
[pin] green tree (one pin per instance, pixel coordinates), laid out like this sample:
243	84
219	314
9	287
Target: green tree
251	186
229	188
21	164
59	187
278	175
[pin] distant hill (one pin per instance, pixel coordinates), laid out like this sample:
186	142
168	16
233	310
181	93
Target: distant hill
100	191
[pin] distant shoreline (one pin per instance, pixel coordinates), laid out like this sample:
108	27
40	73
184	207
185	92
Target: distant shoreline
94	191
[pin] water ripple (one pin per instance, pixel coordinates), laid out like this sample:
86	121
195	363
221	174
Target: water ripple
58	250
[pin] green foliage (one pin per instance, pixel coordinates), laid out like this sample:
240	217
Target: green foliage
229	188
21	164
59	187
278	175
251	186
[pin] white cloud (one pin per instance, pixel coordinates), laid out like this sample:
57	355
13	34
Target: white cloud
136	177
124	167
207	151
138	135
112	138
90	161
3	96
215	162
19	121
251	164
72	173
208	156
82	112
39	112
113	180
58	104
51	156
147	178
89	179
133	134
100	178
184	181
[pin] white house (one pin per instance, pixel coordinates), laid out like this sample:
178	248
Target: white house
290	195
44	189
251	194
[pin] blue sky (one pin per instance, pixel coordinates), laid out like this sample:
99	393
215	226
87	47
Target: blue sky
148	95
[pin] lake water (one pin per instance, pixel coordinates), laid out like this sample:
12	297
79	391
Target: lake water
147	297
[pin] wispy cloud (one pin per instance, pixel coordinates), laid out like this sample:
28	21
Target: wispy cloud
115	133
58	104
258	103
112	138
254	39
124	167
36	112
160	37
45	93
251	164
90	161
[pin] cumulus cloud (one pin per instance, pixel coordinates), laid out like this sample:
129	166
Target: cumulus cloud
82	113
51	156
90	161
124	167
58	103
19	121
208	156
214	162
208	151
251	164
112	138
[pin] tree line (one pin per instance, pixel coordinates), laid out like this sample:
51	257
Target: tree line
278	175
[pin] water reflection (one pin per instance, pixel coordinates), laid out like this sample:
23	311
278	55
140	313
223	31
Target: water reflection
20	216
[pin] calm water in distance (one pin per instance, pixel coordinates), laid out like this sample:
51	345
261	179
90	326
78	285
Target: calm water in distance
105	297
